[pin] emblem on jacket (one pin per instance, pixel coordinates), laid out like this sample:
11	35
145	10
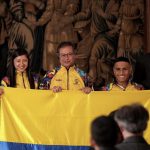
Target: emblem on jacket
76	81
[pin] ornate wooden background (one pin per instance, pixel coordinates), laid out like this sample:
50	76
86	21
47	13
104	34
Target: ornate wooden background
100	29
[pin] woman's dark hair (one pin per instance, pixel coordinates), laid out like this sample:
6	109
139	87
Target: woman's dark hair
11	71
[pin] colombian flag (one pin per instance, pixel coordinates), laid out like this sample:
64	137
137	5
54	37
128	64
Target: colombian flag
43	120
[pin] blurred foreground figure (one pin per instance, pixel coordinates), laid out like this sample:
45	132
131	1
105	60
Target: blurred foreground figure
104	133
132	120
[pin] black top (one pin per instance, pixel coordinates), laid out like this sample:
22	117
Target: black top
134	143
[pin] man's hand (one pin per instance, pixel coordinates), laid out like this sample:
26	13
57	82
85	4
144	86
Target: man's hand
86	90
57	89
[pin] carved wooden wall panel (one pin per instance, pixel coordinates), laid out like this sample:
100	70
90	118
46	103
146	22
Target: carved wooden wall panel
100	29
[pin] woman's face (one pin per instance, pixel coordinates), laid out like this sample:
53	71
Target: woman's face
122	71
21	63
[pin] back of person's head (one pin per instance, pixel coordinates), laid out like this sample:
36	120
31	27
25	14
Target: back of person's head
120	137
132	118
104	131
65	44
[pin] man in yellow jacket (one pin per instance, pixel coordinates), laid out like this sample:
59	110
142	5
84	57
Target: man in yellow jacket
67	76
122	71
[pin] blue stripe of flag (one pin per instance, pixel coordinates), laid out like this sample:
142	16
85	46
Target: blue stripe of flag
21	146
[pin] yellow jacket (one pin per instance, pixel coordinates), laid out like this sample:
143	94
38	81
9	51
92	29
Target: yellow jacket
130	87
67	79
21	81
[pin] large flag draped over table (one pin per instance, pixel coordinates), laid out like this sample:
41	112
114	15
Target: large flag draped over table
42	120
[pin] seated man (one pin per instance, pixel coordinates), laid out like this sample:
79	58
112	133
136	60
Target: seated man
132	120
104	133
122	70
67	76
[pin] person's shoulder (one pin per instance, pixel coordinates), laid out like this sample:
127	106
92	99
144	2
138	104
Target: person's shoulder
85	77
138	86
80	71
52	72
123	146
133	145
107	87
49	75
46	79
5	81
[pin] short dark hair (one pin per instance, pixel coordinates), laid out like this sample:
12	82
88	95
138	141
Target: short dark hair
64	44
104	131
132	117
119	59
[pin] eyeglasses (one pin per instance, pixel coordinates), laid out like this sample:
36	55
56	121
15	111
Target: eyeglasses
66	55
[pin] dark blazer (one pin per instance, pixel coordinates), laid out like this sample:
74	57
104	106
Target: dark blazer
134	143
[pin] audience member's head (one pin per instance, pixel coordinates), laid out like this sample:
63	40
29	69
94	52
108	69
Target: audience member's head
132	119
122	70
104	132
66	54
120	137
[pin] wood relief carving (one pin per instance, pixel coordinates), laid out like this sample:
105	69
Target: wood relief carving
100	29
130	22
